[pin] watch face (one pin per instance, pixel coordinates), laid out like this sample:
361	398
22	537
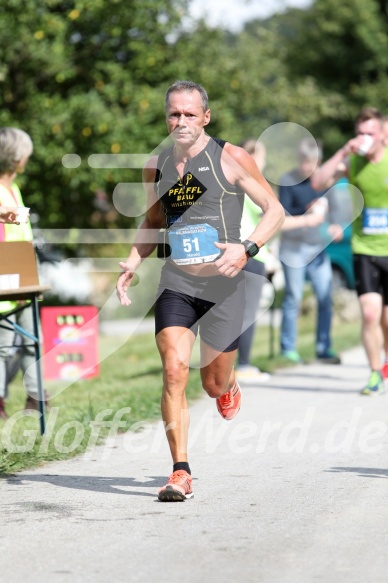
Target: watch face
251	248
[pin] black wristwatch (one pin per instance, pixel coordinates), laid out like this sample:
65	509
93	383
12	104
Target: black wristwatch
250	247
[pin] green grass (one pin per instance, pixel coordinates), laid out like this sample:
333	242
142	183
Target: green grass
131	377
345	335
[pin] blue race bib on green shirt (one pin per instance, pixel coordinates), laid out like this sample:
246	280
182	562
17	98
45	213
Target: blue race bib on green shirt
375	221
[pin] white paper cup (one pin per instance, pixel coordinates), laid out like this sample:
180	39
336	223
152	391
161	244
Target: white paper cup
9	281
320	206
22	214
366	145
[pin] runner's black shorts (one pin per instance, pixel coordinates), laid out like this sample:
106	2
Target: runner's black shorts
371	273
214	306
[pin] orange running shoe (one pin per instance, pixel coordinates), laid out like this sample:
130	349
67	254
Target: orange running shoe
178	487
384	370
229	403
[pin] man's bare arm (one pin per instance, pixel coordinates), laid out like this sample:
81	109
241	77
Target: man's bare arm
146	236
332	170
337	166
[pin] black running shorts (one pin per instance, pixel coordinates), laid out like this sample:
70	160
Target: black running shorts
213	305
371	273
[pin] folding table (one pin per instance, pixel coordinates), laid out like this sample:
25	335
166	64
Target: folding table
19	257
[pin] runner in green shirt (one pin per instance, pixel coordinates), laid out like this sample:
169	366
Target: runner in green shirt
364	160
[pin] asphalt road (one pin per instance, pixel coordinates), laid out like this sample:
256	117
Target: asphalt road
293	490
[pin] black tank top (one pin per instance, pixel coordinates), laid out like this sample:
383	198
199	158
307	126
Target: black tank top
203	195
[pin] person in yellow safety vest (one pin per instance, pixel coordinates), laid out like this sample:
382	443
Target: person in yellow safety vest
15	149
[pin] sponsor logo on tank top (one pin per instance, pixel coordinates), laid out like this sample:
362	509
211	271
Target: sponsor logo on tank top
185	192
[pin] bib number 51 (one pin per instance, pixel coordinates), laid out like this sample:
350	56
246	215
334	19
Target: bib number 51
188	245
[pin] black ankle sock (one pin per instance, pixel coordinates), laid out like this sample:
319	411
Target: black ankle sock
182	466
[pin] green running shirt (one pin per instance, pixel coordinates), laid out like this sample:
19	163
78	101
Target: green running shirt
370	229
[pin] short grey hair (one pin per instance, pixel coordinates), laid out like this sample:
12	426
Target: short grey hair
310	149
15	145
188	87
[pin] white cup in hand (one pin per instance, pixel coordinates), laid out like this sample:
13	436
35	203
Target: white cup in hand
23	213
366	145
320	206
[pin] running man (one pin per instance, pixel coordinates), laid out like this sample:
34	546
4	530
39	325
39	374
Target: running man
195	190
364	160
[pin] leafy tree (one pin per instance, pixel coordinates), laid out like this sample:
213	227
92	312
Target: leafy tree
343	47
80	77
88	77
